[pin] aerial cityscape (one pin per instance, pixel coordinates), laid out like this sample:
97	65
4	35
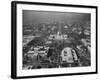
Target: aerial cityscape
56	39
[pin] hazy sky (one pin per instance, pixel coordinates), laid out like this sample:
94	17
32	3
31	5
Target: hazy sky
31	17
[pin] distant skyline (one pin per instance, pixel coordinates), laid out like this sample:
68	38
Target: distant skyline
35	17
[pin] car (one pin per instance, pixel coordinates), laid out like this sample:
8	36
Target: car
86	42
